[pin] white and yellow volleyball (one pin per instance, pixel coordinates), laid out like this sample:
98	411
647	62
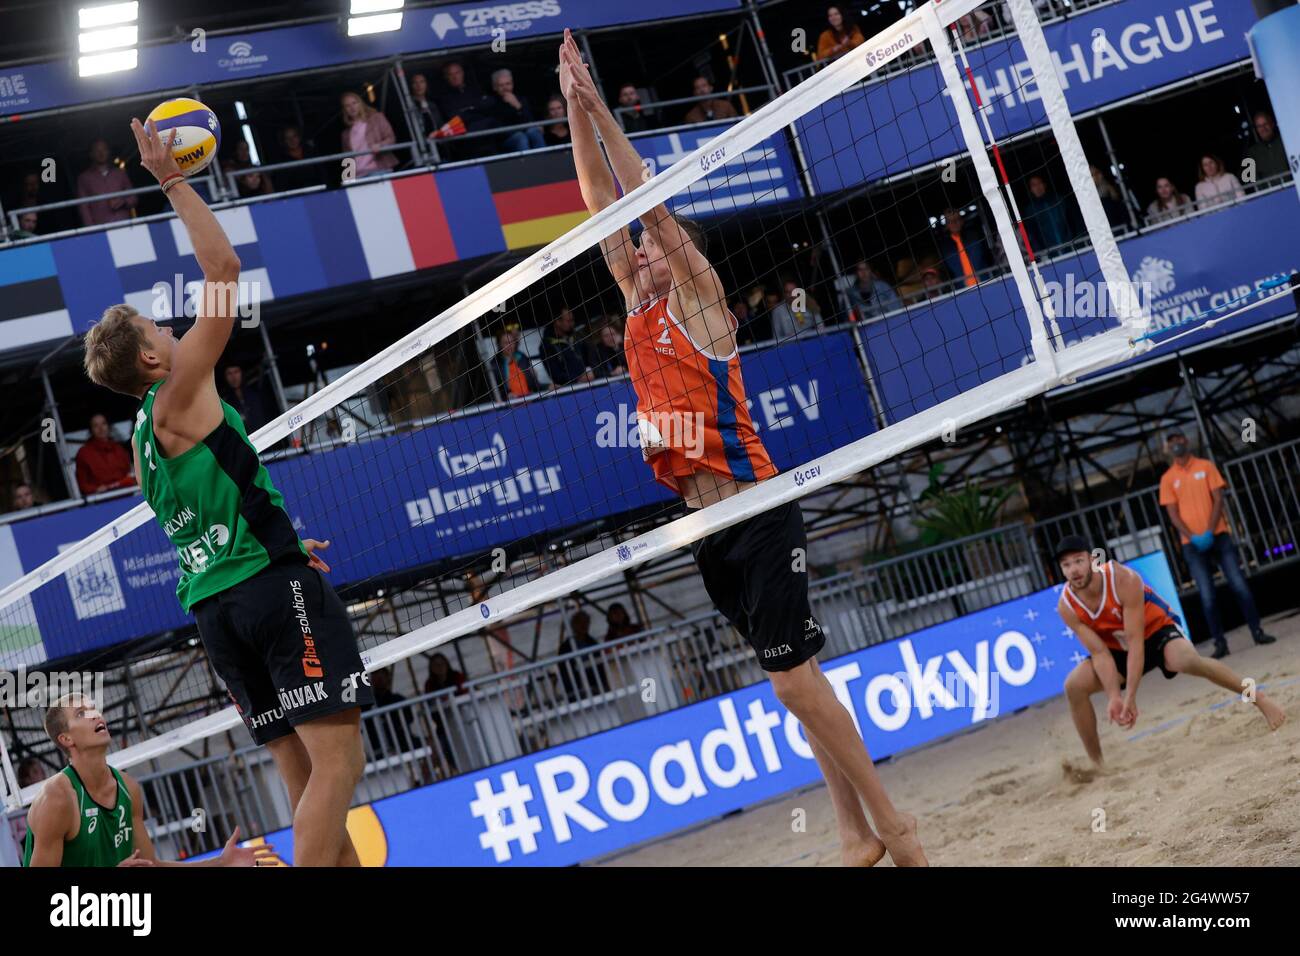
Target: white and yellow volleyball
198	132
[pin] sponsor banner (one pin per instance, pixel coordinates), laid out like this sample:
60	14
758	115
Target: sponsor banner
1102	56
762	174
370	231
234	56
458	487
1220	260
643	780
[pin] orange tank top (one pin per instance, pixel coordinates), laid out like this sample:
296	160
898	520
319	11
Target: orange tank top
690	403
1108	619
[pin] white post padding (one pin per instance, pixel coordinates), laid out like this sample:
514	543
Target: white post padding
988	180
1120	289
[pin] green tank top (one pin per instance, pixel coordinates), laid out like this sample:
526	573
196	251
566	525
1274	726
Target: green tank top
106	836
216	503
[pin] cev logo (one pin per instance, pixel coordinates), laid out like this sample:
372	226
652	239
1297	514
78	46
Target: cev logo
709	160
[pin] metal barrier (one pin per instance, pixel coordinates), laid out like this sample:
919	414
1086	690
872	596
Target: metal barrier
988	23
499	717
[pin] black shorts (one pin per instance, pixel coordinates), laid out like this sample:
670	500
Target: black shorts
282	643
756	574
1153	655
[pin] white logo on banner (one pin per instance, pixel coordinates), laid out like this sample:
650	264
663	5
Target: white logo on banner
1157	274
443	23
516	493
242	57
484	459
93	586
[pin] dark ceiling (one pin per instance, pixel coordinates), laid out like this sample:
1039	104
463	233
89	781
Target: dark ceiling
40	29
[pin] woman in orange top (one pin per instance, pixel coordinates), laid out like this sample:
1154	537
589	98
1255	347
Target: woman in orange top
842	36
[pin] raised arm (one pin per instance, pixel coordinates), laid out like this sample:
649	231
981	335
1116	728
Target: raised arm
628	165
697	284
200	348
596	181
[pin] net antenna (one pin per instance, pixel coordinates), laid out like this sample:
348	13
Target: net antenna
1050	363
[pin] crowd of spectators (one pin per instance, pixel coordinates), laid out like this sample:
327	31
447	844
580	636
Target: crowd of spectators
459	118
568	355
1214	183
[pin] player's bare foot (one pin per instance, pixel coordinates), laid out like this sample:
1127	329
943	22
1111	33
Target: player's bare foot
1274	714
858	852
903	846
1082	773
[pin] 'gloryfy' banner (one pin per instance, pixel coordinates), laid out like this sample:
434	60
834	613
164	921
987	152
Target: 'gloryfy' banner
643	780
465	485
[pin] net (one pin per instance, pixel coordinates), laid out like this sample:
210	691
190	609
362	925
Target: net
892	276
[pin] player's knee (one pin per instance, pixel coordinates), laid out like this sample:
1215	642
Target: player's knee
1079	684
793	688
1180	659
343	758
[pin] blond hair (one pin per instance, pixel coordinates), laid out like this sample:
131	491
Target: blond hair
113	347
367	110
56	718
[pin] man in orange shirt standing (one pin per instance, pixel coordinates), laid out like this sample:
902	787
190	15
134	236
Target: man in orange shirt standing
1191	491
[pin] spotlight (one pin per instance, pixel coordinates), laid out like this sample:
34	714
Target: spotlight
374	16
108	38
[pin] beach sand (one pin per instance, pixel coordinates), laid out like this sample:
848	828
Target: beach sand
1198	780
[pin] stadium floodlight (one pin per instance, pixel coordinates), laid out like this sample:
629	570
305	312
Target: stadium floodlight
107	15
374	16
108	38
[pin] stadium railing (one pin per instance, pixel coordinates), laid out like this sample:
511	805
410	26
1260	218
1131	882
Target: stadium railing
1000	25
502	716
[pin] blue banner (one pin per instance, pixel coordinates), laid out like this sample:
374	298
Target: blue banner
236	56
1186	270
1122	50
653	777
459	487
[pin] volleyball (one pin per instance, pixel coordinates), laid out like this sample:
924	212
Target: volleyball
198	132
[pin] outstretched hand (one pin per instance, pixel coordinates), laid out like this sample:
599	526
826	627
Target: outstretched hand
576	84
313	559
234	855
135	859
155	152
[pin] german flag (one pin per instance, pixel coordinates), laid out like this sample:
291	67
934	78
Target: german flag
537	198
